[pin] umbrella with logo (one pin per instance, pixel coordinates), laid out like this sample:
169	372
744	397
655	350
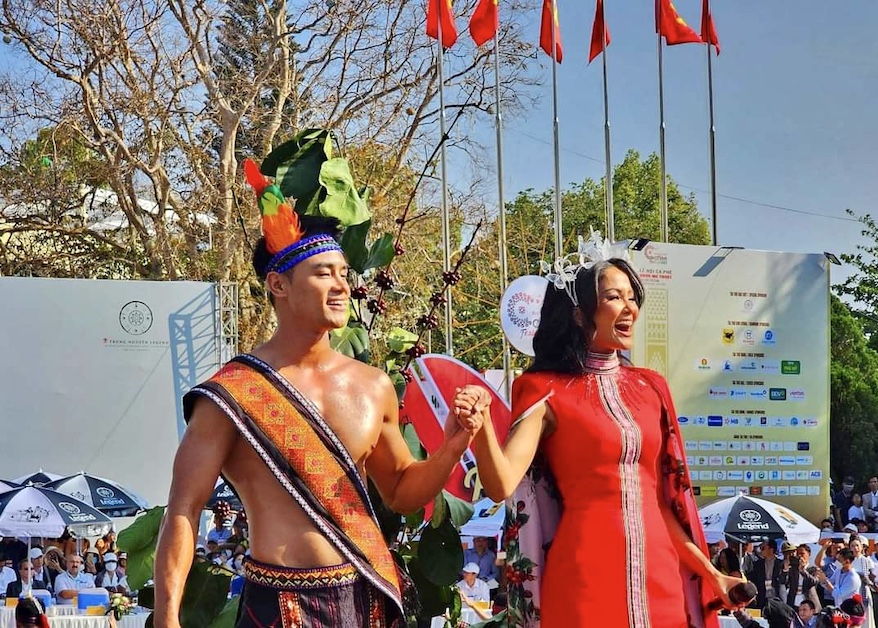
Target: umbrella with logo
101	494
223	492
40	478
39	511
748	518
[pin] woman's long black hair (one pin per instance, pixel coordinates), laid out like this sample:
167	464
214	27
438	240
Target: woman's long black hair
560	343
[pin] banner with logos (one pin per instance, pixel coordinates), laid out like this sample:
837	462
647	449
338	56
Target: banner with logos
94	372
743	339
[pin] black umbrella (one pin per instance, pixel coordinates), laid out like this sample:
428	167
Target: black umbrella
102	494
223	492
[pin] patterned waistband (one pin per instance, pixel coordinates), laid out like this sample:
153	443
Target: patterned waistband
298	579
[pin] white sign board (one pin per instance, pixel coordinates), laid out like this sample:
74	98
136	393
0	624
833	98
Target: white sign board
92	373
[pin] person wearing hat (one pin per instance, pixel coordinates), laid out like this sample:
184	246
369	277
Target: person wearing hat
109	578
122	569
796	584
471	587
92	557
41	570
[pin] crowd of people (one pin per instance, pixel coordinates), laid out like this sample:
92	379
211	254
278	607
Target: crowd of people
62	566
795	586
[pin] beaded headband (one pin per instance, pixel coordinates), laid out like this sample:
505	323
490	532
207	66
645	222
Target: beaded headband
562	274
280	225
299	251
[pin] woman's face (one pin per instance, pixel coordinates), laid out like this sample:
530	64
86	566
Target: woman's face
616	313
856	547
856	499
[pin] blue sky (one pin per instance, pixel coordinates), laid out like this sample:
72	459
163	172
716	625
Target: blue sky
796	96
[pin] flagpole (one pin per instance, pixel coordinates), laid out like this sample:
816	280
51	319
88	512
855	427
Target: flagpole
501	215
559	245
443	173
713	212
664	183
611	227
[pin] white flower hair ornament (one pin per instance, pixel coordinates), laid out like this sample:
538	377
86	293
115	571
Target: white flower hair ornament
562	274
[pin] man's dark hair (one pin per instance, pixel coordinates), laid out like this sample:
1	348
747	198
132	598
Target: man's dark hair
809	603
28	612
805	547
846	553
560	344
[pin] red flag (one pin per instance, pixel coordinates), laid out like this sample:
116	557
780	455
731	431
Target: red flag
708	28
600	32
671	26
550	21
440	10
485	21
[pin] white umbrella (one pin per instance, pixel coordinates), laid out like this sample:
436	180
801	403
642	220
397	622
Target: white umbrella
39	478
744	518
101	494
7	486
38	511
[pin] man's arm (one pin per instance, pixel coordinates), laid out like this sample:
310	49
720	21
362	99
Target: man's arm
206	444
406	485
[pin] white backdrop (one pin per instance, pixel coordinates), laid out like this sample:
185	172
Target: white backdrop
92	372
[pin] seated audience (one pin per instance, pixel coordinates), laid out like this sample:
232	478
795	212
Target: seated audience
110	578
26	575
69	582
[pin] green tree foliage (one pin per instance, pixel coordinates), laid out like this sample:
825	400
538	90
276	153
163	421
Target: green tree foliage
529	224
854	397
861	287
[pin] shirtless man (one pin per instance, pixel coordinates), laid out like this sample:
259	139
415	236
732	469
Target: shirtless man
356	401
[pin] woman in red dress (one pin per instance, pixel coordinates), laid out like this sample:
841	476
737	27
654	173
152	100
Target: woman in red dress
624	539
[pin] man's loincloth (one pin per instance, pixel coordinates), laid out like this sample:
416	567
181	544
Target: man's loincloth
285	597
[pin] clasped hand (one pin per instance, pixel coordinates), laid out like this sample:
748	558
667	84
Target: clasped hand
470	408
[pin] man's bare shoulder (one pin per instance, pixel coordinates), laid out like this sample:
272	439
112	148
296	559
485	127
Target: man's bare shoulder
364	375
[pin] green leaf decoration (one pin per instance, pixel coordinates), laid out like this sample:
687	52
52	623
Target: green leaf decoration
382	252
352	341
307	150
410	435
227	617
342	199
441	554
139	540
415	520
459	511
440	511
353	243
399	383
400	340
204	596
434	599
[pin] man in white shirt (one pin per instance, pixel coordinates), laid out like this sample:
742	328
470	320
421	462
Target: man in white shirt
74	579
110	578
7	575
471	587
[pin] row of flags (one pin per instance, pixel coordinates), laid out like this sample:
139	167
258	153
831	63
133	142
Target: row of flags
485	22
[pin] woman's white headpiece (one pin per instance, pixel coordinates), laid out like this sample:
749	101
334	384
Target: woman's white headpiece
562	274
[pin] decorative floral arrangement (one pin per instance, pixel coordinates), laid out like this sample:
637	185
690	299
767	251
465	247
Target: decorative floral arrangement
120	605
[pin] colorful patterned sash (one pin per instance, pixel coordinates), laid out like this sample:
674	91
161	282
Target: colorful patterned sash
307	458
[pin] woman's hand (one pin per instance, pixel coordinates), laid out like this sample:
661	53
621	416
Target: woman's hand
722	584
470	406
